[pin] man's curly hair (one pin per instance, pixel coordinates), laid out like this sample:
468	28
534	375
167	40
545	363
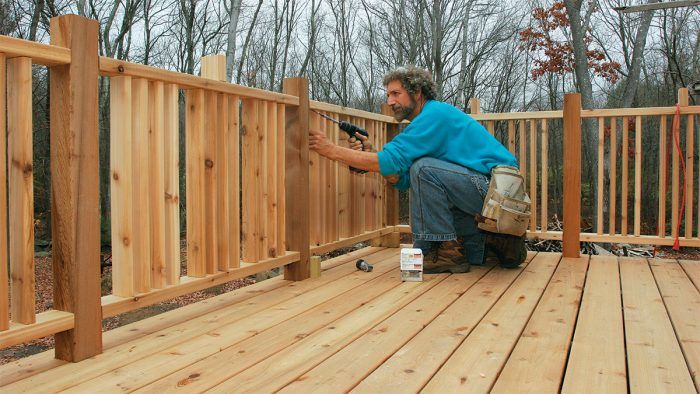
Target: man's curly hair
414	80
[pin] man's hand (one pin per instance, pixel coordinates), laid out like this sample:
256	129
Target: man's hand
392	179
319	143
361	144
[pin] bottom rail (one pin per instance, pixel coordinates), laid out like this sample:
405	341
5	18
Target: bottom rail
114	305
47	323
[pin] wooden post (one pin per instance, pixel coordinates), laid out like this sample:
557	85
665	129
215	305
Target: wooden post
4	291
315	266
216	168
392	195
684	101
75	187
572	175
474	106
297	178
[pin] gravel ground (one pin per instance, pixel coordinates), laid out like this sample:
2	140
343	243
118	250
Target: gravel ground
44	301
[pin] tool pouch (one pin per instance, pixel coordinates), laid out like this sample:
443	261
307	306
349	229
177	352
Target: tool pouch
506	206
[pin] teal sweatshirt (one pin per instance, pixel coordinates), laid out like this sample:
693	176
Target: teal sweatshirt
443	132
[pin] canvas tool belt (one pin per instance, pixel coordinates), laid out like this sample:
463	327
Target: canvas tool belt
506	206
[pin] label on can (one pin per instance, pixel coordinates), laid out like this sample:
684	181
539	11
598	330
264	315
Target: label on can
411	265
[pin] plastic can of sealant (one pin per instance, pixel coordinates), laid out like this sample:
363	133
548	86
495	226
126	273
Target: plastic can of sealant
411	265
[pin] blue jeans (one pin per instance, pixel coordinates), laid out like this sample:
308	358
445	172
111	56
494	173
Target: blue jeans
444	199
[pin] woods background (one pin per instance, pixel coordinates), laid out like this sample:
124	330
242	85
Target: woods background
512	55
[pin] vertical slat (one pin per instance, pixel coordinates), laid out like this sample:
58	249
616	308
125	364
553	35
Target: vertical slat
314	181
370	179
362	181
263	180
663	170
21	188
281	197
544	221
391	194
572	175
601	173
142	218
234	182
490	126
522	159
511	136
689	175
194	183
675	182
4	290
322	191
379	132
333	182
250	168
357	225
613	176
344	194
271	179
121	187
625	175
156	109
211	168
171	152
638	176
75	187
297	178
223	178
533	174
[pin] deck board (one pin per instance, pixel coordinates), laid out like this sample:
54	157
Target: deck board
553	324
357	360
597	359
477	362
293	361
682	302
545	341
412	366
655	361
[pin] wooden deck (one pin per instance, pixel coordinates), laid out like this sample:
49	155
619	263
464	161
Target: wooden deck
576	325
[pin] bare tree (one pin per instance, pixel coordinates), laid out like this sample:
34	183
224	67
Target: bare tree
234	11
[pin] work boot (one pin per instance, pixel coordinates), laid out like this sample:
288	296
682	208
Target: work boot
442	257
509	249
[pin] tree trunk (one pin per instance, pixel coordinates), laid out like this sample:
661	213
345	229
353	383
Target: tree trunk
637	54
234	13
578	33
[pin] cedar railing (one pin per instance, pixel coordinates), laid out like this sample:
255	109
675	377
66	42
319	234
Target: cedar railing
618	213
293	203
287	206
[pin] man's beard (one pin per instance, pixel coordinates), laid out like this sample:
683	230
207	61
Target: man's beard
402	113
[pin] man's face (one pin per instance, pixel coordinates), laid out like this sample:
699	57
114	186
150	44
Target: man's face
401	101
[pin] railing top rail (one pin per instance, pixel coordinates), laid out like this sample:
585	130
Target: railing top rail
321	106
519	115
114	67
589	113
649	111
47	55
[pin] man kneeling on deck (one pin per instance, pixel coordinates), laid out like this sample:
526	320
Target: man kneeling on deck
445	157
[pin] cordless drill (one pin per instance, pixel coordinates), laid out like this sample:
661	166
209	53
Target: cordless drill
352	131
